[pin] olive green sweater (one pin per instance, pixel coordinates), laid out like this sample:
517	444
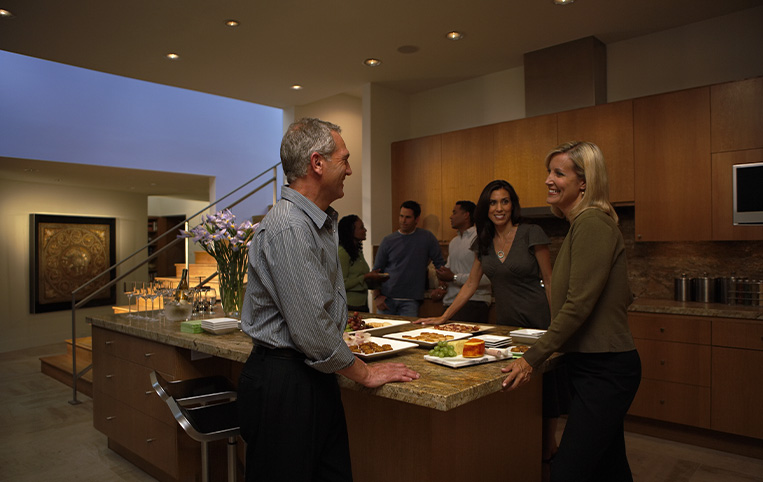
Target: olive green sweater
589	292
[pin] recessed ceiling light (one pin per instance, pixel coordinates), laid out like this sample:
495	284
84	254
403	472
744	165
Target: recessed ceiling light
563	2
172	56
454	35
232	23
372	62
5	13
296	87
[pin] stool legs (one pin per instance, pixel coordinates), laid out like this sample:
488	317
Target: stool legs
232	459
204	462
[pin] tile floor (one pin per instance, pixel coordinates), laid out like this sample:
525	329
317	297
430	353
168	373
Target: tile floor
44	438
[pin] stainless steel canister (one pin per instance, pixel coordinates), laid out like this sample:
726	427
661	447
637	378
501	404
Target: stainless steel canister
703	289
682	288
722	288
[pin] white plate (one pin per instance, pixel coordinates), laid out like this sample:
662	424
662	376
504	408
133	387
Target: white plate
517	354
528	332
495	341
388	324
459	361
480	328
402	334
397	346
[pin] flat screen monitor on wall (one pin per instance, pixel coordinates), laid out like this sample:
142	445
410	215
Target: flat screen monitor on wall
748	195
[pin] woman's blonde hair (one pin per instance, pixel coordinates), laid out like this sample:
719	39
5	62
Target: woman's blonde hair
589	166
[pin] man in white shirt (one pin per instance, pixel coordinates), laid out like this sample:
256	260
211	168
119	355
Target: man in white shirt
456	271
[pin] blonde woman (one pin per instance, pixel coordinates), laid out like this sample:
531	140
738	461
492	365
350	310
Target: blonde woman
589	323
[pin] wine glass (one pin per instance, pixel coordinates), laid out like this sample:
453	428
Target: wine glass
152	291
130	292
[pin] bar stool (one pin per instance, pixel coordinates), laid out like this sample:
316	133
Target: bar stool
206	409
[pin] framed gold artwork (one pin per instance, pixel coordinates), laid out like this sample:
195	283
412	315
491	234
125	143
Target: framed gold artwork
65	253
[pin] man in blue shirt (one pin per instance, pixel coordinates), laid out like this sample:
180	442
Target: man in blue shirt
405	255
295	310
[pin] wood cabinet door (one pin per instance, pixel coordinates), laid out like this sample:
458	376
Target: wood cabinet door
520	149
684	363
672	175
723	221
417	175
737	115
672	402
468	159
609	126
737	393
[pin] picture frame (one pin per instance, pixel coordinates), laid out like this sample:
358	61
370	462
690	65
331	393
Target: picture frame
65	253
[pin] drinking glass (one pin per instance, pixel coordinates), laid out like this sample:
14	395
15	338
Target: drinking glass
130	292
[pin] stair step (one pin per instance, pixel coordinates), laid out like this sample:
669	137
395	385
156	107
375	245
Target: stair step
84	347
59	367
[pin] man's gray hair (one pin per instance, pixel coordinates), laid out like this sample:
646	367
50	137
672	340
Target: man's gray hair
302	138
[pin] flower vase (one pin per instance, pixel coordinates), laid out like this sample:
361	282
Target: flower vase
231	290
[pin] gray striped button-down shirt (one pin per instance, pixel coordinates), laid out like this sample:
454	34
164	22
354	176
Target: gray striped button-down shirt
295	296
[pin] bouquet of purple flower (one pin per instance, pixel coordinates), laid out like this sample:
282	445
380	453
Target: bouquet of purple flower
229	245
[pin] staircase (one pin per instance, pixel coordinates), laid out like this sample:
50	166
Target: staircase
60	366
203	266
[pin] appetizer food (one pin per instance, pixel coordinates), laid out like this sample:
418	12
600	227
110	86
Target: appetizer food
443	350
519	348
474	348
355	323
370	347
458	328
429	337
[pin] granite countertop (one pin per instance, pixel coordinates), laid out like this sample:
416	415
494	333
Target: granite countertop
441	388
693	308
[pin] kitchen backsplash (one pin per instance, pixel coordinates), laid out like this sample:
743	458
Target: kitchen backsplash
652	266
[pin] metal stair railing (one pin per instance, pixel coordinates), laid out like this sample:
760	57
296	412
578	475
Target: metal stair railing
78	304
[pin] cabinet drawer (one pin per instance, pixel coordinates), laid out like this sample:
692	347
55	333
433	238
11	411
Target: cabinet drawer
673	402
675	362
149	439
143	352
686	329
738	334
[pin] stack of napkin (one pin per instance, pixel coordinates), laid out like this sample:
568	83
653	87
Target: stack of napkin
191	326
220	325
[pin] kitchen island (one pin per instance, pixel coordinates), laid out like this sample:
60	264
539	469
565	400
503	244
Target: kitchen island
451	424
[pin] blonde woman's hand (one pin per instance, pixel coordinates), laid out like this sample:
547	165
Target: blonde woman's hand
519	373
431	321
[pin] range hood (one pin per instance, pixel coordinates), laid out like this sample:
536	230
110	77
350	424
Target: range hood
565	77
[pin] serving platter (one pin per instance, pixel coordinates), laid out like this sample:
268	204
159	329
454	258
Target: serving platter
459	361
397	347
389	326
479	328
401	336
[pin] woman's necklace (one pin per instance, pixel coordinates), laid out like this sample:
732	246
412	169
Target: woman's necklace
501	252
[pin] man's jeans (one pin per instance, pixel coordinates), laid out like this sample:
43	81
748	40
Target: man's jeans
401	308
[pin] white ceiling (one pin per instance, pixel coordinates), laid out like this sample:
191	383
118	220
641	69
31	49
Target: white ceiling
319	44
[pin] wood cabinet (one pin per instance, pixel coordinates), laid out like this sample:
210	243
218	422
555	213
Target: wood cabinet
676	368
520	149
672	176
737	391
468	161
417	176
737	115
609	126
700	371
128	411
723	224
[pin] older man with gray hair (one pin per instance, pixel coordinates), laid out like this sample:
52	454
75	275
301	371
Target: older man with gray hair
295	311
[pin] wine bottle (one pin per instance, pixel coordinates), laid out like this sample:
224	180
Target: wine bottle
182	289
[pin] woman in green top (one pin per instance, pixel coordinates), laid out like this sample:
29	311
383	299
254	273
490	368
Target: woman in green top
357	276
589	320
